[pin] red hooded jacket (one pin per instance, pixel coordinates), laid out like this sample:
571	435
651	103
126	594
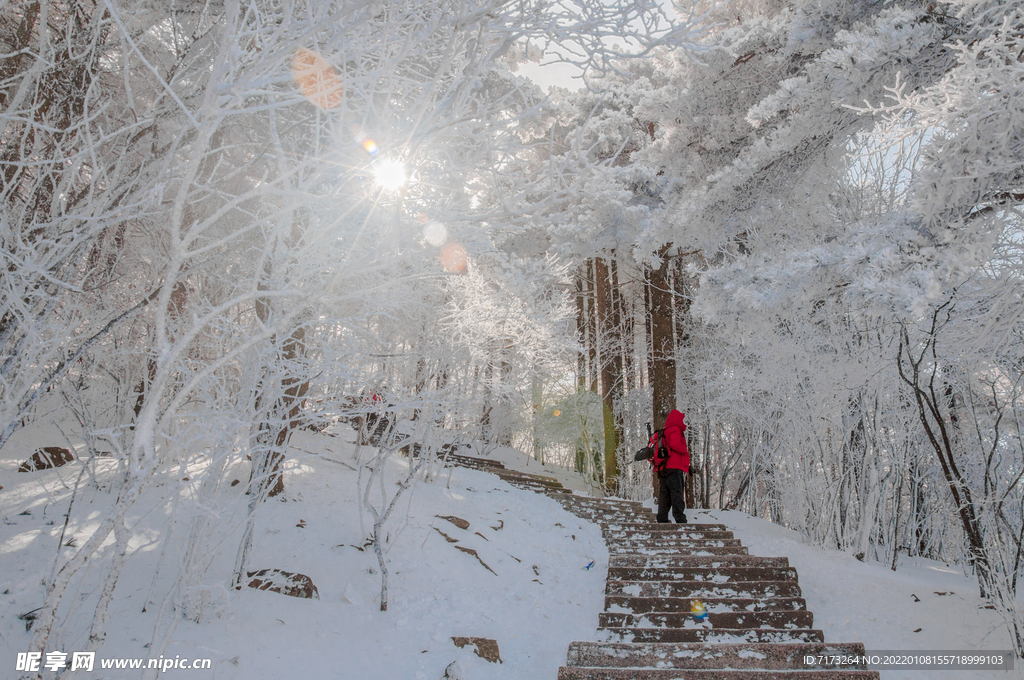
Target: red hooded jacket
678	454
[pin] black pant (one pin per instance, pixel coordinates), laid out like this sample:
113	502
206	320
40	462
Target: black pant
671	493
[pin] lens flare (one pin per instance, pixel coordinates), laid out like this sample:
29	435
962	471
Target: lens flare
370	146
556	413
389	175
316	78
435	233
453	257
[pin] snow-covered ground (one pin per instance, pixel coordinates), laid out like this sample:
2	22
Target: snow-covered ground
539	598
923	605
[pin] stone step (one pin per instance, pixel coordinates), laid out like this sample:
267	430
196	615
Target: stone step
701	655
708	561
671	540
758	626
535	486
646	605
606	507
554	484
486	467
666	526
710	635
605	502
716	576
540	486
703	589
470	461
677	550
573	673
568	503
769	619
605	518
640	516
612	518
662	535
534	489
527	477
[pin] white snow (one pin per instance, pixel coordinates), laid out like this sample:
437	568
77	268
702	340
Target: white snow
541	599
867	602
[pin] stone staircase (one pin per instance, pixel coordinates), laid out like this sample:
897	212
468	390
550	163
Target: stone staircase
522	480
758	625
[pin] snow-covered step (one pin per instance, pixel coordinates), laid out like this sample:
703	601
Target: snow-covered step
728	603
662	527
572	506
678	535
605	502
607	519
612	515
571	673
757	626
673	541
769	619
639	521
713	575
784	656
711	635
612	518
603	518
694	561
663	551
655	550
591	502
703	589
528	476
540	487
470	461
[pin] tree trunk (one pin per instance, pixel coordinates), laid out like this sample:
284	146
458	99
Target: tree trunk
610	360
282	418
581	328
591	328
623	322
663	363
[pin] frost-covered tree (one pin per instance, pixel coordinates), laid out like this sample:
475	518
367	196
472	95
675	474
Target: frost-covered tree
851	173
203	204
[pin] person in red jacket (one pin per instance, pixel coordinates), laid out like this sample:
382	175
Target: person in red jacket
671	470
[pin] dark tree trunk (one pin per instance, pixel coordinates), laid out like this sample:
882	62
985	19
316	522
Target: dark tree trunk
610	360
581	328
623	323
591	328
663	362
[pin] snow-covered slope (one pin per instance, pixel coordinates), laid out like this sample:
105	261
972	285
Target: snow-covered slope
540	597
923	605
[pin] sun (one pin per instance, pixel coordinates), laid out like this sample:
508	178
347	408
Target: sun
389	175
